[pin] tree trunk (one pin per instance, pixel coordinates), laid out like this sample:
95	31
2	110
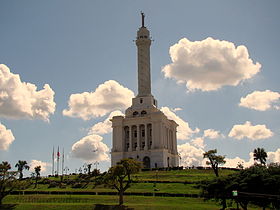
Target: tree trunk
216	172
20	175
224	203
121	198
36	182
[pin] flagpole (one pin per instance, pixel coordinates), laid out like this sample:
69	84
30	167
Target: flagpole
58	160
62	169
53	161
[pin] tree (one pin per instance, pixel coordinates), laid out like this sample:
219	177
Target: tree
119	176
37	171
21	165
8	180
257	184
214	160
260	155
89	168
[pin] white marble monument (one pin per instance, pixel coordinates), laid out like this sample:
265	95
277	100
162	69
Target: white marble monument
144	133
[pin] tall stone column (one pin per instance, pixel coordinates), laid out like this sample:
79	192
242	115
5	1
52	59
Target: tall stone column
174	142
130	139
146	137
138	138
143	43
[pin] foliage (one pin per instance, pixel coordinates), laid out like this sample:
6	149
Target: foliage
260	155
256	184
37	171
21	165
117	174
89	168
8	181
214	160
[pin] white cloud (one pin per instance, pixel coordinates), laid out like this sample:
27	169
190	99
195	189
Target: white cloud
43	165
209	64
107	97
190	155
105	126
260	100
21	100
273	157
253	132
177	109
6	137
183	131
91	148
198	142
212	134
233	162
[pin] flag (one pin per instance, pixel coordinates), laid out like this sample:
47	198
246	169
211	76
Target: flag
58	154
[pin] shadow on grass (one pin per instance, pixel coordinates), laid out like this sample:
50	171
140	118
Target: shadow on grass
8	206
111	207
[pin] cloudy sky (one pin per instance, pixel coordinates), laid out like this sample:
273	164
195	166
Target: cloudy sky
67	67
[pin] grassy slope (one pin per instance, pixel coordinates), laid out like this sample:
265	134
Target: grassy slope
138	202
86	202
190	176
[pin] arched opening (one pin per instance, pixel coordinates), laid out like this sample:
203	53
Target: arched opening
135	113
143	112
146	162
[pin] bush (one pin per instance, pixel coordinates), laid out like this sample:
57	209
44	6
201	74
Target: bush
77	185
53	184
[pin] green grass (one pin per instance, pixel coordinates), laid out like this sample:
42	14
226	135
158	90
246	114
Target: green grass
189	175
86	202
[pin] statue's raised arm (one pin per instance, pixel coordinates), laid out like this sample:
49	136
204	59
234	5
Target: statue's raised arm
143	19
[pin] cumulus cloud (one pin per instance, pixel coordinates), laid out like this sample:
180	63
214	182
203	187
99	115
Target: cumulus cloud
234	162
190	155
21	100
177	109
183	131
273	157
105	126
253	132
212	134
209	64
6	137
91	148
198	142
44	165
260	100
107	97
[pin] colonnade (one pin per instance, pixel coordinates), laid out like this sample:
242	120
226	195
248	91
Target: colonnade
138	137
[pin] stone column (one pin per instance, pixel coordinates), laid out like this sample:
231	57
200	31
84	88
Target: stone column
138	138
174	141
146	137
167	139
130	139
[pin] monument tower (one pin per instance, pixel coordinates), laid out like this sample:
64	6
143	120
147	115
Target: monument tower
144	133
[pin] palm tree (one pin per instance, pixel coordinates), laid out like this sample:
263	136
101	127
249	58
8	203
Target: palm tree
37	171
260	155
21	165
5	166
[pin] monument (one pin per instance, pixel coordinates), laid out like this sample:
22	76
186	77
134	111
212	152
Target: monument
144	133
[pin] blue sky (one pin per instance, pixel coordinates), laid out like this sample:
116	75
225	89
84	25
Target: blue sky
75	46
